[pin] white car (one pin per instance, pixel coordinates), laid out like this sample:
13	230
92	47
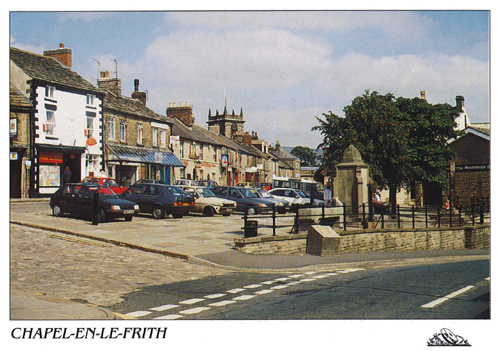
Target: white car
207	203
188	182
294	196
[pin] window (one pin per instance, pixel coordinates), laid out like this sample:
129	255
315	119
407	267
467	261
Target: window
181	147
49	91
163	137
215	153
91	162
155	136
139	133
90	99
123	130
51	122
90	127
111	128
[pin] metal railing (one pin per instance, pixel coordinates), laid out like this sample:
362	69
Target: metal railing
366	216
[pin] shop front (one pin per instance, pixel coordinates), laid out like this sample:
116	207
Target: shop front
128	164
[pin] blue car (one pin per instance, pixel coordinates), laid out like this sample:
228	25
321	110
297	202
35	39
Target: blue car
247	199
160	199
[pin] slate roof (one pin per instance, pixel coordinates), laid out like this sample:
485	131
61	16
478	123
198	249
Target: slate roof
131	106
18	100
49	70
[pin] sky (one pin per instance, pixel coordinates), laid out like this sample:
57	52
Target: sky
283	68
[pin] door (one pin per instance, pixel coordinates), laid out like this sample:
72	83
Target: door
15	179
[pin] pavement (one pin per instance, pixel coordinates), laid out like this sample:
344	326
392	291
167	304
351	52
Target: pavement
197	239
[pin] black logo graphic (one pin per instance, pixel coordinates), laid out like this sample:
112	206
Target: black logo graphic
447	338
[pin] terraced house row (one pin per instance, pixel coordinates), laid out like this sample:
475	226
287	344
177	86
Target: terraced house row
60	121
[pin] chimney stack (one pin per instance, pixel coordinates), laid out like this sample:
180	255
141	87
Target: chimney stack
182	113
139	95
460	103
422	95
114	85
63	55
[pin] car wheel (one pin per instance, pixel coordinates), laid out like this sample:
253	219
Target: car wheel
208	211
128	218
57	211
158	212
102	216
177	215
251	211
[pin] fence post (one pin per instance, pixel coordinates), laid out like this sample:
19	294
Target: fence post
481	214
472	213
460	216
245	215
439	217
323	211
274	219
426	219
345	216
296	220
382	218
365	224
399	217
413	216
451	217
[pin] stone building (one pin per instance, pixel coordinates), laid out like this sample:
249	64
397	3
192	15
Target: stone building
137	139
65	119
471	168
20	147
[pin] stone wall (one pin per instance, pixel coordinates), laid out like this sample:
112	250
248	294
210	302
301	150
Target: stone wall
373	240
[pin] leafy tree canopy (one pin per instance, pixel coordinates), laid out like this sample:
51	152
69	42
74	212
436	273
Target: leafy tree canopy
306	155
403	140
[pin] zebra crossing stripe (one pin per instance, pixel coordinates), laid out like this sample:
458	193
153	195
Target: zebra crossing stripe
195	310
222	303
235	291
244	297
170	316
214	296
191	301
163	308
262	292
253	286
138	314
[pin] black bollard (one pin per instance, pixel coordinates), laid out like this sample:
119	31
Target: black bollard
95	208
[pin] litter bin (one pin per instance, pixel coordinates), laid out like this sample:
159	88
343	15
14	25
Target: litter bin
251	229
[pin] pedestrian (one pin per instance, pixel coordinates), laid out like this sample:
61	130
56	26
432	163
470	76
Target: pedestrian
102	174
67	175
327	195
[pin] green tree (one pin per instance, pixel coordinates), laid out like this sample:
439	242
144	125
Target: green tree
306	155
403	140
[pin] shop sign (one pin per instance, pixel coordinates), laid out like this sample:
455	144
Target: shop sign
14	156
175	139
13	127
51	157
224	160
91	141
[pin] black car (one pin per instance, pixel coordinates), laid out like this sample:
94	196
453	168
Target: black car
247	199
78	199
149	181
160	199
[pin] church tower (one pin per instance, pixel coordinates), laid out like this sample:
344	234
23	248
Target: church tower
226	124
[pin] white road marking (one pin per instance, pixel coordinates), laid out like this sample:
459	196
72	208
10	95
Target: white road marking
244	297
321	276
262	292
222	303
309	273
295	276
138	313
170	316
308	280
269	282
282	279
349	270
163	308
447	297
191	301
293	283
235	291
195	310
253	286
331	274
214	296
278	287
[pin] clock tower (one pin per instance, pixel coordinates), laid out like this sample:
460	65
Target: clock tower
226	124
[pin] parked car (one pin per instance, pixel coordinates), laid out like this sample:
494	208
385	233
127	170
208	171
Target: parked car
188	182
160	200
106	182
245	185
281	205
207	183
149	181
78	199
207	203
246	199
294	196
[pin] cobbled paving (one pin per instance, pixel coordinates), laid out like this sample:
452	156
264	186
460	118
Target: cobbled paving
69	267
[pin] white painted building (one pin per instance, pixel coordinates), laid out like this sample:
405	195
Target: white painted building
66	121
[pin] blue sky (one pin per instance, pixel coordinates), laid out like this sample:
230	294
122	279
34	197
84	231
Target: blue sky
283	68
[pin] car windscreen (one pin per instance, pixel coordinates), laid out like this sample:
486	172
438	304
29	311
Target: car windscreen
206	193
249	193
177	191
111	182
264	193
301	193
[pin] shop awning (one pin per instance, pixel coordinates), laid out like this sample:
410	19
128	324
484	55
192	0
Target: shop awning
144	155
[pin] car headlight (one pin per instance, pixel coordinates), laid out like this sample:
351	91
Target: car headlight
115	207
280	204
136	207
262	205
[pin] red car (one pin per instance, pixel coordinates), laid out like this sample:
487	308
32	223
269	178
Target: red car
109	182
